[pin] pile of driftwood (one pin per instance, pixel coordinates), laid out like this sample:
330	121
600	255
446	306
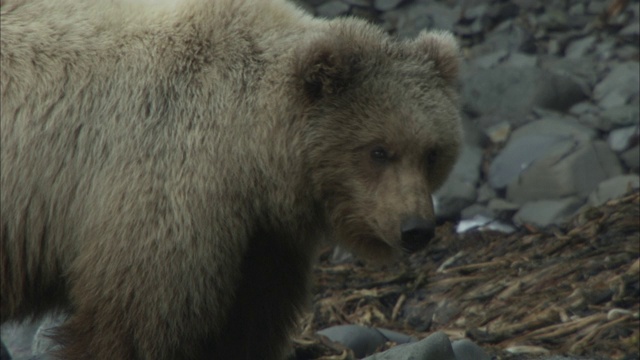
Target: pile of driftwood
573	289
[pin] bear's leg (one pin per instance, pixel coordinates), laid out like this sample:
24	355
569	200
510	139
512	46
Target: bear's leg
165	299
272	293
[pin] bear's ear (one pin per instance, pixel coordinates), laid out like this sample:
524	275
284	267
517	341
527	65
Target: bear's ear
441	48
326	68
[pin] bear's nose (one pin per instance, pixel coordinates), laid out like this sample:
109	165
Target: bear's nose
416	233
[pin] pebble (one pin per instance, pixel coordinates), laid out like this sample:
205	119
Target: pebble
619	116
517	90
631	159
467	350
361	339
623	138
619	86
613	188
436	346
547	212
580	48
554	125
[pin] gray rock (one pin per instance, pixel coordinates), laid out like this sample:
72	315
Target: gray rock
619	86
490	60
614	188
541	155
443	17
553	125
459	191
474	210
594	121
517	90
467	350
569	168
588	114
553	47
503	11
408	23
454	196
485	193
498	205
581	47
631	158
585	107
620	116
473	134
628	53
486	121
509	36
553	19
362	340
477	11
622	139
479	25
632	29
332	9
410	20
386	5
519	154
596	7
435	347
577	9
585	71
396	337
521	60
546	212
605	50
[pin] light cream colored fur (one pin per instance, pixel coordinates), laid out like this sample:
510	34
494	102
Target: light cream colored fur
167	169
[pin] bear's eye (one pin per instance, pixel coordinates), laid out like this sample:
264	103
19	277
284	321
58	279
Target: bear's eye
380	154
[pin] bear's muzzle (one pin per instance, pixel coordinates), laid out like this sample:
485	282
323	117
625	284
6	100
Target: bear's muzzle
416	233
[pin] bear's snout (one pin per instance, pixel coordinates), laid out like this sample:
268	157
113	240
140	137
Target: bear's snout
416	233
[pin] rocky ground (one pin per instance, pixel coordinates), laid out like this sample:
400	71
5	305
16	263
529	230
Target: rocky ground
548	263
572	290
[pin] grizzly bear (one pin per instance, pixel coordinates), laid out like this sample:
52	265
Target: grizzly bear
168	169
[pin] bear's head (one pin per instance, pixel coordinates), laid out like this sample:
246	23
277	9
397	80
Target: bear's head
384	132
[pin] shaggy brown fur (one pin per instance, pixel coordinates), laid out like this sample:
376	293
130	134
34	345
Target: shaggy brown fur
167	170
